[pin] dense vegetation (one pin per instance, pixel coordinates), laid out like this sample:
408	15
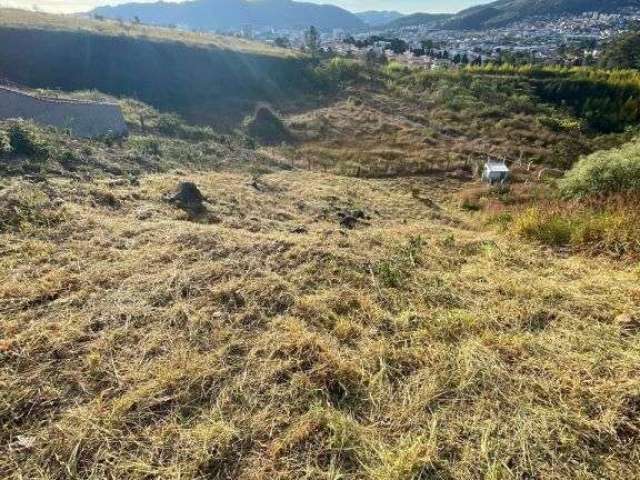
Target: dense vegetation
608	101
623	52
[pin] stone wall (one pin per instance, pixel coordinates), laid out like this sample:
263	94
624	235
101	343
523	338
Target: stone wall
82	119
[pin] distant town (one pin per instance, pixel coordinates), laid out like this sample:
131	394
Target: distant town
571	40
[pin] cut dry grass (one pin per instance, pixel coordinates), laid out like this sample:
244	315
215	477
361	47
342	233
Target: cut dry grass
261	338
232	348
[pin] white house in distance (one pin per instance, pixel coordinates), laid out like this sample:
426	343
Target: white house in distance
495	171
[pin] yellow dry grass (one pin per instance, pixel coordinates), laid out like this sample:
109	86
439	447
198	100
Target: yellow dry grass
137	343
260	339
384	133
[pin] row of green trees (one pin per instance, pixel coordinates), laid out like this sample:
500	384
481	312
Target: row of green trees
623	52
608	100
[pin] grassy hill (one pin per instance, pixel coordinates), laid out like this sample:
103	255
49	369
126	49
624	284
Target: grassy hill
22	19
209	78
353	305
234	14
377	18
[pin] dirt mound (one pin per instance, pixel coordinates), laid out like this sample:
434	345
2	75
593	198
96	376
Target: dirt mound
188	197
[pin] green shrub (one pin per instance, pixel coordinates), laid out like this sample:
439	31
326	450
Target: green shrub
267	127
559	125
5	144
394	271
605	173
25	139
547	228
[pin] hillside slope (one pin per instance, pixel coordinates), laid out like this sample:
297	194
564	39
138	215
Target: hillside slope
504	12
209	78
417	19
234	14
260	337
376	18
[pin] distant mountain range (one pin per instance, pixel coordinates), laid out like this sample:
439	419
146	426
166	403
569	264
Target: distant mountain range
375	18
236	14
288	14
504	12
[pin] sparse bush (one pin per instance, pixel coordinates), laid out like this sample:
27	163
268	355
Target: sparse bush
24	207
612	227
267	127
25	139
344	70
5	144
547	228
69	158
470	204
172	125
605	173
557	124
394	271
147	145
169	124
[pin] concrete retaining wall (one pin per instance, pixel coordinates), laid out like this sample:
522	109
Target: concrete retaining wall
82	119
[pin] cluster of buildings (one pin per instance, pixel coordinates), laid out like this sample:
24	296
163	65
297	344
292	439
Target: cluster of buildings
572	40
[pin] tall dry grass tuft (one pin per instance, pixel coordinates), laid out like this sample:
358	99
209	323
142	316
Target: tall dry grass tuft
599	226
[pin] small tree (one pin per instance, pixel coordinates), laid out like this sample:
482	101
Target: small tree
375	58
427	44
312	41
282	42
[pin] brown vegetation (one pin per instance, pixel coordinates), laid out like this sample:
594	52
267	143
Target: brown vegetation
378	133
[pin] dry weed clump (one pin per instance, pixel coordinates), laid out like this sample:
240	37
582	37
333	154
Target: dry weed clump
598	226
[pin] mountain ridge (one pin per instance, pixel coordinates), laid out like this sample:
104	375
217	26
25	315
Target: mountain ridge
235	14
504	12
377	18
416	19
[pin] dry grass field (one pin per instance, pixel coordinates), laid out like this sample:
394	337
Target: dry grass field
262	338
376	132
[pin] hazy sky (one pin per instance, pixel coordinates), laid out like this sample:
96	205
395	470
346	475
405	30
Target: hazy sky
406	6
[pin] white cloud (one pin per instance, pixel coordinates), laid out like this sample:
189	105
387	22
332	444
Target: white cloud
62	6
